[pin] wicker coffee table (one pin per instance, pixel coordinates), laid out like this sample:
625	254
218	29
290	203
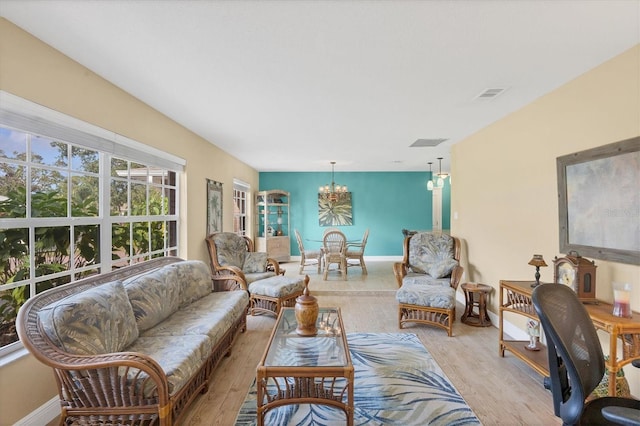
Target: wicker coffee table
306	370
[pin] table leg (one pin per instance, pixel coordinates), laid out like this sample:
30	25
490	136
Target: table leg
468	307
259	399
612	364
350	402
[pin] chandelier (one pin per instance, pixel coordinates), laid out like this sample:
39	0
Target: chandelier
430	182
332	192
440	176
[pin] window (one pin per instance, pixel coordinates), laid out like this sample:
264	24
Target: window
240	194
69	210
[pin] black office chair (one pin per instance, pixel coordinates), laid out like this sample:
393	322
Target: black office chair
576	361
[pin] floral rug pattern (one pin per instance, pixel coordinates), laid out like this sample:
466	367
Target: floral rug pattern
397	382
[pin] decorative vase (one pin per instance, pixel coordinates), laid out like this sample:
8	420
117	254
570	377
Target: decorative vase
306	312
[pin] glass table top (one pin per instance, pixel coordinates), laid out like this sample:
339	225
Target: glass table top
325	349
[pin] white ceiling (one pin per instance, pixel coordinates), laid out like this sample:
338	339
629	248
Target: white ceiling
293	85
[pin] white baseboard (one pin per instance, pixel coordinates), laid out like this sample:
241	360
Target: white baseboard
42	415
366	258
508	328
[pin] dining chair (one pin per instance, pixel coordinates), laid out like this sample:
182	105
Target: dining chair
327	230
334	251
355	253
308	257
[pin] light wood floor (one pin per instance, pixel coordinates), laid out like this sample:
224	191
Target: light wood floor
501	391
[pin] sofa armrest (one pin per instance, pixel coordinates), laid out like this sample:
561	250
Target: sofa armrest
400	271
128	377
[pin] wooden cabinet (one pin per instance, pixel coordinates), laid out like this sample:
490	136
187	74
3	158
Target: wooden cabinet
515	299
272	224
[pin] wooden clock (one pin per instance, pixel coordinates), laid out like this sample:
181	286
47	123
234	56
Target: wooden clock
578	273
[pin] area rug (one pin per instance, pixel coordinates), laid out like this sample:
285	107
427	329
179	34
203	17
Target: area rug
397	382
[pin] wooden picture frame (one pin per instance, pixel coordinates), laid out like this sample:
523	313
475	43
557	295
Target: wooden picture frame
599	202
214	206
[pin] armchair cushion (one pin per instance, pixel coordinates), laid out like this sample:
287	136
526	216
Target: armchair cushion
423	279
255	262
97	321
427	249
231	249
434	296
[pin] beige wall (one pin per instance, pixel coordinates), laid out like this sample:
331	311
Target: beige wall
504	178
36	72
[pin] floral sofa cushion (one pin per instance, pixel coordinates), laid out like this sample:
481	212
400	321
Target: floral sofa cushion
194	278
96	321
430	252
212	315
231	249
154	296
179	356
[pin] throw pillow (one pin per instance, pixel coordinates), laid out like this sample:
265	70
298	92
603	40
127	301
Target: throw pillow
442	268
255	262
154	296
96	321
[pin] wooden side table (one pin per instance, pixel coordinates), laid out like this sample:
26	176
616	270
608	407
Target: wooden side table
475	296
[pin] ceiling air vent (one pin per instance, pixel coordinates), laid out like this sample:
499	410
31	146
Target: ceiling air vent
491	93
427	142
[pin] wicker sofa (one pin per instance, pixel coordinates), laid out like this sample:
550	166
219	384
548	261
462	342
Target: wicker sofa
136	345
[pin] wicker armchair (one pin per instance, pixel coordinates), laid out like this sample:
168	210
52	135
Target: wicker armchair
428	278
234	263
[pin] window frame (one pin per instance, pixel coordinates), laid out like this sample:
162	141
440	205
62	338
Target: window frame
24	116
241	205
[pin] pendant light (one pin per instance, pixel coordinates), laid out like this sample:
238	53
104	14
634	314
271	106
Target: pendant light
430	182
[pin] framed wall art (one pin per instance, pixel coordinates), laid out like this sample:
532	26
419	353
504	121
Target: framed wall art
334	213
599	202
214	206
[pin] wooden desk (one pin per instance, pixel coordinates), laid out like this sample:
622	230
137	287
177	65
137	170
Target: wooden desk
515	297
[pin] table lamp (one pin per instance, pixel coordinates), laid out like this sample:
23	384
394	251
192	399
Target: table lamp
537	261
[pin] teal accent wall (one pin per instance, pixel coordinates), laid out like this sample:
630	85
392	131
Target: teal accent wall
384	202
